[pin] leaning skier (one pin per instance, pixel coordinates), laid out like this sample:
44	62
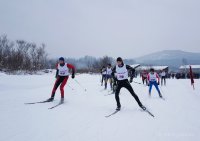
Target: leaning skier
103	73
121	72
153	79
62	75
108	76
163	77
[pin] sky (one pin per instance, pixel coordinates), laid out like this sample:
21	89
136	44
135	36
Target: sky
126	28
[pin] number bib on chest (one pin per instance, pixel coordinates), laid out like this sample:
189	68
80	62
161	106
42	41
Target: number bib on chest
63	70
152	77
121	72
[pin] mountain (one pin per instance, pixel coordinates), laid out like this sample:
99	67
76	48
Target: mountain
172	58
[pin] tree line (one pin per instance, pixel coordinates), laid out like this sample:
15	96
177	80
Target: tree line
21	55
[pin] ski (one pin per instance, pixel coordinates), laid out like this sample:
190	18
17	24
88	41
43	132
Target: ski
116	111
56	105
38	102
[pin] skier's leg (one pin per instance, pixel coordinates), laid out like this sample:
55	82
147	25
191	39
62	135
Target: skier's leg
117	95
128	86
62	86
150	88
156	86
110	80
102	80
57	83
143	80
146	81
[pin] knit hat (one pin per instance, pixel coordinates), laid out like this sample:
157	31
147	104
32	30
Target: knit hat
61	59
119	59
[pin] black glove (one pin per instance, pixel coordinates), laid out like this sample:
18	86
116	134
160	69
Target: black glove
73	76
131	80
158	83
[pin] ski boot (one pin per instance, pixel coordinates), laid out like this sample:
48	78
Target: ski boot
160	95
143	107
62	100
118	108
50	99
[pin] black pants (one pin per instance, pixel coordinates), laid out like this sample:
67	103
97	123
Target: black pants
163	78
127	85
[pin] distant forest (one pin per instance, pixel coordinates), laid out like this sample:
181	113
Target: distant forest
21	55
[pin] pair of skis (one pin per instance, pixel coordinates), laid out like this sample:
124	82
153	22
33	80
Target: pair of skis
116	111
60	103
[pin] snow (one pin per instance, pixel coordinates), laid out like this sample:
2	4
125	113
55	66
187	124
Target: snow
82	117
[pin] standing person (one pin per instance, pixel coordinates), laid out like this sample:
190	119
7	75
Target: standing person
121	72
108	76
153	79
144	77
62	75
103	73
163	77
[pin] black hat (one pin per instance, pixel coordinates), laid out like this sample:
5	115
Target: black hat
119	59
152	69
61	59
109	64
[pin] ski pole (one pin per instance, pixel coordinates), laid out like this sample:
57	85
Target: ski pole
80	85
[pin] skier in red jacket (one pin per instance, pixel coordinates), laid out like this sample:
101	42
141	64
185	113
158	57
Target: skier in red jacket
62	75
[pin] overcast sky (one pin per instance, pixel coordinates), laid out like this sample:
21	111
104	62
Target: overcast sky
127	28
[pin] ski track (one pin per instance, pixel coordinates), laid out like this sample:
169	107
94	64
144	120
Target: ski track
82	116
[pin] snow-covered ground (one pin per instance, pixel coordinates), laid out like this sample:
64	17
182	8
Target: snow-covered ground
82	117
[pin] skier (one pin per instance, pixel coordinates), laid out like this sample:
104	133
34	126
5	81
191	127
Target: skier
62	75
144	77
153	79
108	76
163	77
121	72
103	73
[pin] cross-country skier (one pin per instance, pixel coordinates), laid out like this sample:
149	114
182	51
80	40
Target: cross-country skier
108	76
62	75
103	73
153	79
121	72
144	77
163	77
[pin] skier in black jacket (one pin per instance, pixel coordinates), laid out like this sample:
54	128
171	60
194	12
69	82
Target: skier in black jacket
120	73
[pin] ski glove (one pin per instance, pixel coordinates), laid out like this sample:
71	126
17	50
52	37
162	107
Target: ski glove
158	83
131	80
73	76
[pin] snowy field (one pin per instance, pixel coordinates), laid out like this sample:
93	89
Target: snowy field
82	117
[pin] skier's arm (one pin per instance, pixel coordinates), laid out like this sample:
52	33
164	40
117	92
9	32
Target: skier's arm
132	71
70	66
158	78
56	70
113	75
148	77
113	72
